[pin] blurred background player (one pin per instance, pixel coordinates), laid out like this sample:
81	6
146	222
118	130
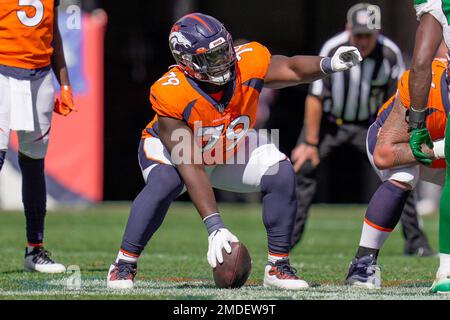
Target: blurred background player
30	47
339	109
392	159
428	198
434	26
212	94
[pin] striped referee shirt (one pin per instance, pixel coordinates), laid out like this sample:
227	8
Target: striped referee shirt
354	96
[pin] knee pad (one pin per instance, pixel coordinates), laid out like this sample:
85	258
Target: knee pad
409	175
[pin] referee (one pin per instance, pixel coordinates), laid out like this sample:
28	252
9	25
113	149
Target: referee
340	108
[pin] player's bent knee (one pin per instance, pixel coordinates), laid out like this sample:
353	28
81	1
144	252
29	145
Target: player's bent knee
383	157
280	178
33	149
167	177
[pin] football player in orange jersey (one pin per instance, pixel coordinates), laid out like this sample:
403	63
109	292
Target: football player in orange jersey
205	109
390	154
30	46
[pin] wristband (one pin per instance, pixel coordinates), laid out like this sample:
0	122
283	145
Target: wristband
416	118
325	65
213	222
315	145
439	149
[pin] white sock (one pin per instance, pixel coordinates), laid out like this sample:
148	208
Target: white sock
372	237
275	257
444	263
123	256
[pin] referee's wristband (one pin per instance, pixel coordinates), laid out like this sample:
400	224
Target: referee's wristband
315	145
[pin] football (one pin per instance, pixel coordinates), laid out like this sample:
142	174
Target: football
235	269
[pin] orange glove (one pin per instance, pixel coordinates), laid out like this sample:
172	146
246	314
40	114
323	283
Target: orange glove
66	105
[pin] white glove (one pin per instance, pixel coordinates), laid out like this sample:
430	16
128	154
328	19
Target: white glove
216	241
345	58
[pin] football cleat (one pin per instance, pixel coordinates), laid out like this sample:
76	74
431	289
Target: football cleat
39	260
281	275
442	282
121	275
421	251
364	273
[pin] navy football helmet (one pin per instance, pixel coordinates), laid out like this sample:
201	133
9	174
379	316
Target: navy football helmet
203	48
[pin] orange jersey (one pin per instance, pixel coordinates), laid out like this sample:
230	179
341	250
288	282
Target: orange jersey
219	123
26	33
438	103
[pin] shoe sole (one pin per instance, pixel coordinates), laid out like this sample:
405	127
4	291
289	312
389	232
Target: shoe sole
122	286
26	269
291	289
364	285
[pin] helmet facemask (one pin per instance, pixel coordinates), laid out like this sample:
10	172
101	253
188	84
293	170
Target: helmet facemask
213	65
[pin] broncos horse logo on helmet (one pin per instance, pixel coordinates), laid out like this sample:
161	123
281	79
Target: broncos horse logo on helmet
203	48
177	38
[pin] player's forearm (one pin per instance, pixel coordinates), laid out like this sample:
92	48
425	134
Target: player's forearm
427	41
392	148
58	60
390	155
402	154
308	68
419	87
291	71
199	188
313	117
394	155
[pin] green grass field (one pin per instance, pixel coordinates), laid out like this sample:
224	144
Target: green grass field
174	265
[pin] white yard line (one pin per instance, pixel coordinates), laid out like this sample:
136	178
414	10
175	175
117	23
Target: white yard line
201	290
